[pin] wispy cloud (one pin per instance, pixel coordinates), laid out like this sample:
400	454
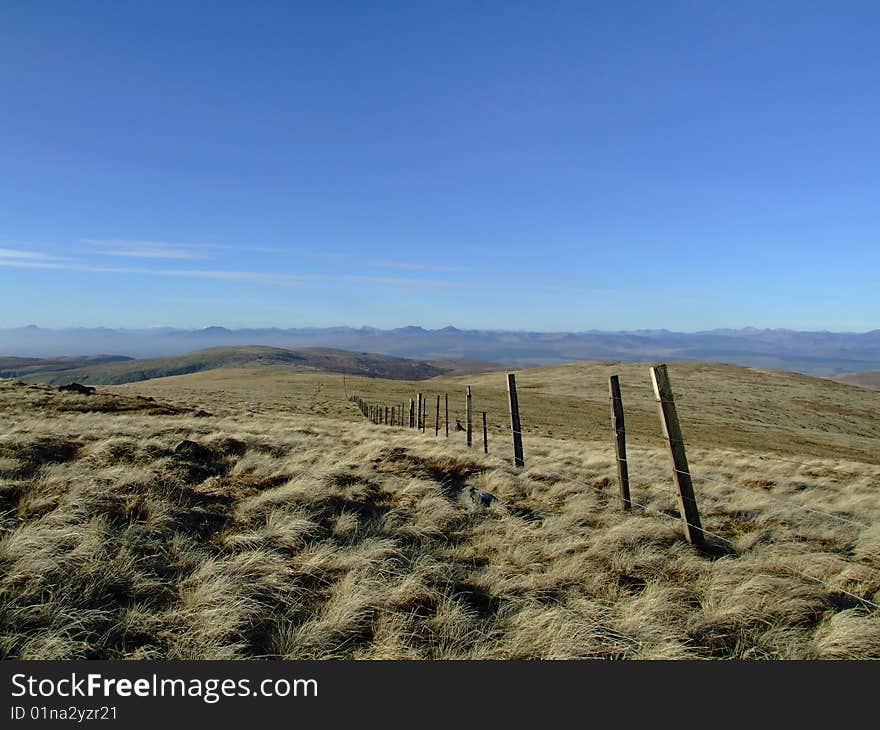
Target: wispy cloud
250	277
166	249
17	254
489	281
148	249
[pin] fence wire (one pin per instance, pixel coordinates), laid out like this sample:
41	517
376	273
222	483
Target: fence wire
678	520
504	426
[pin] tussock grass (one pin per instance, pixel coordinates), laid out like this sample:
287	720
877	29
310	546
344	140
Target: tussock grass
295	536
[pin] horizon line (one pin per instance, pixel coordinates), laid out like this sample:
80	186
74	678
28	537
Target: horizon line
744	328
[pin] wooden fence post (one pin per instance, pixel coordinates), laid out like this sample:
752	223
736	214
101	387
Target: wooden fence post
514	421
447	415
485	435
419	419
437	419
412	413
687	502
386	415
470	417
619	428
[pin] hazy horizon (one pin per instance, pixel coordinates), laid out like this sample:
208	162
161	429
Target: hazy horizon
449	325
816	353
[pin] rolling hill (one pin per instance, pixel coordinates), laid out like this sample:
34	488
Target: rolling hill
110	370
869	379
748	408
812	353
23	367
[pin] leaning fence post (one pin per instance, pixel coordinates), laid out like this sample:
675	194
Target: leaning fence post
619	428
485	435
470	417
687	502
514	421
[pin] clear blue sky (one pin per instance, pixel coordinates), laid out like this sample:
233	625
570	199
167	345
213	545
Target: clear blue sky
614	165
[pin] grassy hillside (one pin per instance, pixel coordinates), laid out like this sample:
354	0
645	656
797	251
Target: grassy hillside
283	525
125	370
720	405
19	367
869	379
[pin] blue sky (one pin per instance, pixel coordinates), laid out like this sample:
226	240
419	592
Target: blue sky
549	166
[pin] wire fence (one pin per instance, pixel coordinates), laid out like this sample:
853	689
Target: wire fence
483	422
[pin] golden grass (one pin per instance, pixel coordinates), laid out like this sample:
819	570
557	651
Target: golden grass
720	405
317	535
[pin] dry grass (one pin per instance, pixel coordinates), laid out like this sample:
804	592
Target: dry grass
743	408
294	535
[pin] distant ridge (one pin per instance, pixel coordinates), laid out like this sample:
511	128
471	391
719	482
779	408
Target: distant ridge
869	379
813	353
107	370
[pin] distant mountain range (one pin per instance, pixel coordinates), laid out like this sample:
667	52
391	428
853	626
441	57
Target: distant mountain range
812	353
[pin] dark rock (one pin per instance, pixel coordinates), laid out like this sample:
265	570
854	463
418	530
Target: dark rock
195	462
201	414
230	446
192	451
77	388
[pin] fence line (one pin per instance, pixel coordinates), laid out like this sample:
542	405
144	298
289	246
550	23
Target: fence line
506	427
672	439
419	417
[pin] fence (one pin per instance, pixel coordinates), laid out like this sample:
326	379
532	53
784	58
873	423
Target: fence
417	417
681	474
